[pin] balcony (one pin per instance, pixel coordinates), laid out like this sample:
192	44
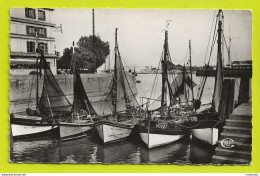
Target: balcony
32	55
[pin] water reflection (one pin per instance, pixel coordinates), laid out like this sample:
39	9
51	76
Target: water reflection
82	150
89	150
35	151
169	154
132	151
200	153
122	152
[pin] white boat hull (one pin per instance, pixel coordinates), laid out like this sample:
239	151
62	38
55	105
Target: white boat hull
110	133
207	135
26	130
156	140
70	131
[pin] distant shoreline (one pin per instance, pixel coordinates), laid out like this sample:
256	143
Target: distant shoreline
194	72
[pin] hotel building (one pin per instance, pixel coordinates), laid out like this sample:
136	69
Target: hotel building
31	28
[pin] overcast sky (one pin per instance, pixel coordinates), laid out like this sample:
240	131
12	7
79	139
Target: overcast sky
141	35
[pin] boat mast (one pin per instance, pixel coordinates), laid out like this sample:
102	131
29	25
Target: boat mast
164	70
109	67
229	52
191	74
114	90
74	85
183	82
219	69
93	33
37	70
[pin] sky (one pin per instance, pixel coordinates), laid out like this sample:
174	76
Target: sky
141	32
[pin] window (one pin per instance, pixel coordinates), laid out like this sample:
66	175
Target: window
41	15
43	47
30	46
30	13
32	30
42	32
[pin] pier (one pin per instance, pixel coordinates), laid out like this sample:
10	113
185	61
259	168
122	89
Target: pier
238	128
228	72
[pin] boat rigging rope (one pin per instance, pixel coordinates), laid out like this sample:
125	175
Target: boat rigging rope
94	129
153	88
49	103
130	87
203	79
144	93
29	99
103	105
210	35
225	42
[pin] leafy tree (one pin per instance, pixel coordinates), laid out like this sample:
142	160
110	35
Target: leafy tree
65	61
90	53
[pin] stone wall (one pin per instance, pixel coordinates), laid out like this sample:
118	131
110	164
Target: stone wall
23	88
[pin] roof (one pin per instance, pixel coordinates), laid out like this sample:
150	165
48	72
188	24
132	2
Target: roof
50	9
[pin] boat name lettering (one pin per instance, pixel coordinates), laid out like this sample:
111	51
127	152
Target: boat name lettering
161	125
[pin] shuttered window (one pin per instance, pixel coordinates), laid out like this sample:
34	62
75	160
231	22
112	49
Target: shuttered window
30	13
30	47
42	32
41	15
43	47
32	30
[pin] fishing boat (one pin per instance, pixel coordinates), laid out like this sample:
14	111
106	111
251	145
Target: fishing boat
119	125
165	124
210	120
80	122
50	107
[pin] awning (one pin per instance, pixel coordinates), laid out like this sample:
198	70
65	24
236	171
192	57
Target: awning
23	61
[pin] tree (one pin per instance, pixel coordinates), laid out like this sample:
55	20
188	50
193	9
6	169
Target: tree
90	53
65	61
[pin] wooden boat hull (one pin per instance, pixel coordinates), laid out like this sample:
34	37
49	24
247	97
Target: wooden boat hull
207	135
110	132
206	128
161	133
156	140
23	128
69	131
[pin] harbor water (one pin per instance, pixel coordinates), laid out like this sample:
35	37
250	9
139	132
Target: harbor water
131	151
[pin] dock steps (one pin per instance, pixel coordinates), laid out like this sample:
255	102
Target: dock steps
233	153
238	123
241	117
228	160
237	137
238	127
238	130
240	146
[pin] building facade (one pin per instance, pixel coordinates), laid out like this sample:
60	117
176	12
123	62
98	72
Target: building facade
31	28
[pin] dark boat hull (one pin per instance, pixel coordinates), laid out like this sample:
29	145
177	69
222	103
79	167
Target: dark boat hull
161	133
25	128
206	128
